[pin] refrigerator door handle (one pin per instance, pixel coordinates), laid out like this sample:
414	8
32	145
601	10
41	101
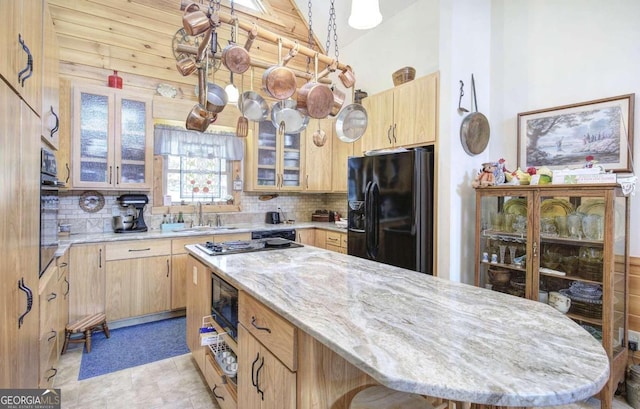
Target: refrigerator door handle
375	218
367	218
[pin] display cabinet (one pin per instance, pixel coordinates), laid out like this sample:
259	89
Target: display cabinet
112	139
563	245
274	159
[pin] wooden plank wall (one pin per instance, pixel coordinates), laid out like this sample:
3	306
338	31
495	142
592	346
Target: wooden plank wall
135	38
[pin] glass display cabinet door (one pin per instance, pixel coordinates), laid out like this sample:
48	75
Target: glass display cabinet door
291	162
503	244
581	260
267	158
131	140
94	156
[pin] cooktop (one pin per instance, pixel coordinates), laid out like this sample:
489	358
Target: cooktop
246	246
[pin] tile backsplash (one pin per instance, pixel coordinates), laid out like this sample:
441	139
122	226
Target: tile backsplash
297	207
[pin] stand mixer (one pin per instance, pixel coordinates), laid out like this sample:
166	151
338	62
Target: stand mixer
138	201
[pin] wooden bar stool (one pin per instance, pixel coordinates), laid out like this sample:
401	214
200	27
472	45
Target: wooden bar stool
85	326
380	397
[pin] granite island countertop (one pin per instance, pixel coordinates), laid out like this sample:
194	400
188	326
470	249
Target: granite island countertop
422	334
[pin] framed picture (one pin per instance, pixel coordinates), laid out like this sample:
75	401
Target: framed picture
565	136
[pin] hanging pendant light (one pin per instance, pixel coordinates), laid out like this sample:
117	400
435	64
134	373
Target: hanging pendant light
365	14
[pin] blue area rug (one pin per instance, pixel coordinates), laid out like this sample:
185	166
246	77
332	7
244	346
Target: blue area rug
133	346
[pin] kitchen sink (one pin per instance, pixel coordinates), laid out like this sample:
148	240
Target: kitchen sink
206	229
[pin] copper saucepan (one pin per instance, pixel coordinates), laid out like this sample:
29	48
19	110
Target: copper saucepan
315	99
237	58
194	20
347	77
279	81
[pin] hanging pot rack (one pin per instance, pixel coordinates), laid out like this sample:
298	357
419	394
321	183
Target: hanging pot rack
189	49
332	63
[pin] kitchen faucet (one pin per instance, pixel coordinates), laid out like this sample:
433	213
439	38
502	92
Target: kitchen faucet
200	214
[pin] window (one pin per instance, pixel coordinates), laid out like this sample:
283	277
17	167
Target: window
255	5
192	179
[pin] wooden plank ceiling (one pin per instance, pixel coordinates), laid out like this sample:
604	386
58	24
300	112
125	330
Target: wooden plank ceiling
135	38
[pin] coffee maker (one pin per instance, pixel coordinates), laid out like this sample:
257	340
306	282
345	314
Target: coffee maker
138	201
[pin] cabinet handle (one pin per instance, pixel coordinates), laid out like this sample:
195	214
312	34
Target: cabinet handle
215	394
66	165
307	181
55	334
253	370
63	265
167	267
147	249
29	294
55	372
52	297
332	239
29	66
117	175
68	287
110	174
55	128
394	133
100	259
253	322
389	134
535	249
258	379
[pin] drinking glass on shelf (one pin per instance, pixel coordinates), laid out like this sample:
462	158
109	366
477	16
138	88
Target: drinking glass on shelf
512	254
562	226
497	221
509	220
503	249
574	223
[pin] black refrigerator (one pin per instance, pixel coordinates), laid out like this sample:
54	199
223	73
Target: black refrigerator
390	198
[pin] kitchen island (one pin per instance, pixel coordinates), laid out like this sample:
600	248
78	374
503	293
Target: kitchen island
421	334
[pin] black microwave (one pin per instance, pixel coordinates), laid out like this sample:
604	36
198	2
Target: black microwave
224	305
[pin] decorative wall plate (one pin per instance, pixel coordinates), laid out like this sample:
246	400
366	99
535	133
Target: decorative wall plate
91	201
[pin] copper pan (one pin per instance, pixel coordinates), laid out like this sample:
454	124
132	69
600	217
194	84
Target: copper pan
237	58
315	99
279	81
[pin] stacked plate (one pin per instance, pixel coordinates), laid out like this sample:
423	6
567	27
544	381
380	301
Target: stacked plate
517	206
584	292
555	207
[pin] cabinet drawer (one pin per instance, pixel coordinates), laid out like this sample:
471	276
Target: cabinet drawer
335	248
333	238
343	240
177	245
137	249
217	383
273	331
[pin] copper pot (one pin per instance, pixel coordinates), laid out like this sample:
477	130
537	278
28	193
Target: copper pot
347	77
199	118
279	81
236	58
338	100
315	99
186	66
194	20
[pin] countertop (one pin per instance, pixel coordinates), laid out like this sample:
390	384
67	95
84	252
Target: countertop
422	334
66	241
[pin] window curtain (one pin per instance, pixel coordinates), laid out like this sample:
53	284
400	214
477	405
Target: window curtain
175	140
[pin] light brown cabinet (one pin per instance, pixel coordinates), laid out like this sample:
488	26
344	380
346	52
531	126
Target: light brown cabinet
112	139
267	356
138	278
274	161
21	21
306	236
317	163
340	153
19	232
50	82
87	273
198	306
406	115
179	270
337	241
561	239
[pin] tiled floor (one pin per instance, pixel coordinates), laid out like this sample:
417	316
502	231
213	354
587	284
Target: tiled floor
174	383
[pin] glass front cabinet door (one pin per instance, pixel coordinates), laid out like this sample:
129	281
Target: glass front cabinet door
565	246
275	160
112	139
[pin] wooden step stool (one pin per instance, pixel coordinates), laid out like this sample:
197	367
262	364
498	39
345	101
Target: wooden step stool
85	325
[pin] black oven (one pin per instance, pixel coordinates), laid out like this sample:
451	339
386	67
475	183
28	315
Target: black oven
224	305
48	209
